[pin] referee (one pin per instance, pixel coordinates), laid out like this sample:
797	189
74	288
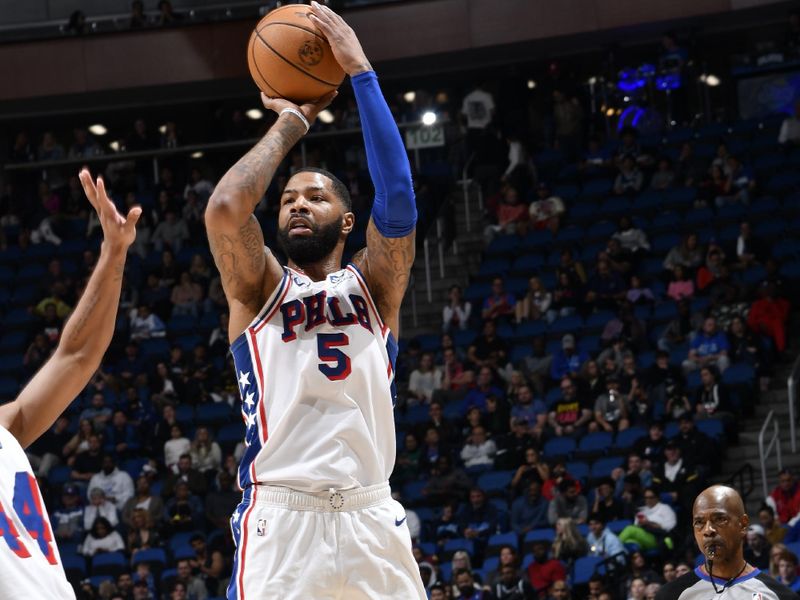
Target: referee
720	526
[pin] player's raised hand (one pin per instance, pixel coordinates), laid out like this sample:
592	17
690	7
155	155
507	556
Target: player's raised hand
344	43
309	109
118	231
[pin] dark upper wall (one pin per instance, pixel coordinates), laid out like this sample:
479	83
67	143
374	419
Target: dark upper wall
391	32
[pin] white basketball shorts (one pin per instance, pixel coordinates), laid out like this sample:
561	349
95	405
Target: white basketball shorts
343	545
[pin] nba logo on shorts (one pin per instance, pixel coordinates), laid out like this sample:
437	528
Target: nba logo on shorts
757	596
261	529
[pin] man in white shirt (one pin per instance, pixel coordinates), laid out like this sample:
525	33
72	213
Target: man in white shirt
424	380
478	451
117	485
790	128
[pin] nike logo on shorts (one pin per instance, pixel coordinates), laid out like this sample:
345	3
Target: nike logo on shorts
397	522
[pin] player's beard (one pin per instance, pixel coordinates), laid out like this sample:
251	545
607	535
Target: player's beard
310	249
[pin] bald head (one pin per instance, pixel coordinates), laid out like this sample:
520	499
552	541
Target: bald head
720	497
720	525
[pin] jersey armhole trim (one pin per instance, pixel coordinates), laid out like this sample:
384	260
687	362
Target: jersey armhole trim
363	283
263	314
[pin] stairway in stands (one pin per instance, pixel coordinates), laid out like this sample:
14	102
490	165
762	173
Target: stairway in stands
461	259
776	399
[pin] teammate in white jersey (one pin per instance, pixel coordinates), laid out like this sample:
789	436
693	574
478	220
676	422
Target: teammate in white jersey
30	566
314	348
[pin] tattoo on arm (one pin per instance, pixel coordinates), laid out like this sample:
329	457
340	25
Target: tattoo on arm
240	259
390	261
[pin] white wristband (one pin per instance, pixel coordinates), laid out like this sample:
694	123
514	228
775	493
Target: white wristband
299	115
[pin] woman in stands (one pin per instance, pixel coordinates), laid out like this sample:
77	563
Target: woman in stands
568	544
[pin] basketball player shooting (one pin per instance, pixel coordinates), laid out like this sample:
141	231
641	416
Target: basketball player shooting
29	560
314	350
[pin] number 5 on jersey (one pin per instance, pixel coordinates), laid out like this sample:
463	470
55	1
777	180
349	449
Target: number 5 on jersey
328	350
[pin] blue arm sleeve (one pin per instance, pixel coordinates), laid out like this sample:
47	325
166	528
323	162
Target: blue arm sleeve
394	210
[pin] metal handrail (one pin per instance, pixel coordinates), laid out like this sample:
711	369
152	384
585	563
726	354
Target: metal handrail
791	388
763	454
743	481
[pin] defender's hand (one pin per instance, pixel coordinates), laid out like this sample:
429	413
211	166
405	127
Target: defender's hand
118	231
345	45
310	109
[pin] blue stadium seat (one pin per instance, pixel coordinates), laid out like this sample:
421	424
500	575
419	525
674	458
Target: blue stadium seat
559	447
739	374
109	563
231	434
496	267
597	188
594	444
527	330
464	338
452	546
155	557
570	235
429	342
527	264
628	437
498	540
547	534
601	229
213	413
503	244
602	467
97	580
133	466
599	319
74	564
563	325
537	240
184	413
492	563
711	427
584	568
495	482
413	491
617	525
578	469
477	293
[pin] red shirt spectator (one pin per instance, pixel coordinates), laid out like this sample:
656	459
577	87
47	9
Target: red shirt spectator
544	571
769	315
785	498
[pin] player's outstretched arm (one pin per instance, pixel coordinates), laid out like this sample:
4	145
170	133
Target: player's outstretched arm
248	272
389	254
88	331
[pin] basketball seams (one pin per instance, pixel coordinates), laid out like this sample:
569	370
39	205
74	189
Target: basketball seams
287	61
311	31
258	69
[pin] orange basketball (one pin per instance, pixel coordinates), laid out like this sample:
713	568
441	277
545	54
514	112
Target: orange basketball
289	57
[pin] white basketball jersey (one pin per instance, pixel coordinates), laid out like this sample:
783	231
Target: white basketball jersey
316	376
30	566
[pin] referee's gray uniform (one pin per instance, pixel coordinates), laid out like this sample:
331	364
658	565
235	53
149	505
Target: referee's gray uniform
696	585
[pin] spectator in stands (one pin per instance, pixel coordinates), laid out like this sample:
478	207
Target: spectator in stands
568	503
175	448
424	381
193	584
446	483
756	550
625	326
68	519
146	325
209	563
664	177
467	588
186	473
406	466
709	347
712	401
478	452
602	542
629	179
536	365
632	239
222	500
634	467
456	314
547	210
48	450
639	293
568	120
681	329
772	529
98	413
570	415
117	485
677	477
88	463
651	447
206	454
166	18
784	499
535	304
610	408
775	552
596	159
143	499
688	254
532	469
499	303
681	286
484	388
511	586
142	534
568	361
37	353
787	568
446	431
184	512
512	215
478	519
637	589
559	590
102	538
530	510
138	17
789	135
99	506
567	296
121	438
530	411
739	185
769	315
605	288
606	506
696	447
186	297
749	249
544	572
653	522
569	544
